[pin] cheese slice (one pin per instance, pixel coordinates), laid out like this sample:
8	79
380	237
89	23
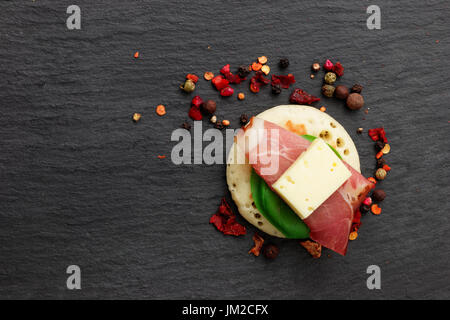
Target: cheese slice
311	179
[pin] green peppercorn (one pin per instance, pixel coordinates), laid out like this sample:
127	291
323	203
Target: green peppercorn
330	77
380	174
328	90
188	86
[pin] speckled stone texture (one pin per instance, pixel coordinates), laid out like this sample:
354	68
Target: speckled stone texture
80	183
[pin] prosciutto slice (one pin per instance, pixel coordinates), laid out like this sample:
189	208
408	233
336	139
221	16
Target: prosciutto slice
271	150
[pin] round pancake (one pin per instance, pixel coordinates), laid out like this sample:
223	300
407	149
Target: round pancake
302	120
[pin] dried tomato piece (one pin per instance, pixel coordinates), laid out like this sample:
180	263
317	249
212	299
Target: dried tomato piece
259	241
195	114
302	97
284	81
338	68
225	220
378	134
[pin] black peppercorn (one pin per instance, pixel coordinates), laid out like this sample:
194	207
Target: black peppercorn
379	145
364	208
284	63
276	88
243	71
186	125
243	119
357	88
219	125
271	251
378	195
380	163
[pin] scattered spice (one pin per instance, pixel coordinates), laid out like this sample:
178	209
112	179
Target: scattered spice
265	69
243	119
161	157
381	163
227	92
136	54
257	81
226	123
241	96
188	86
195	114
160	110
353	235
375	209
276	88
271	251
330	78
372	179
302	97
225	220
220	82
328	90
283	81
258	243
355	101
313	248
378	195
208	75
256	66
359	130
213	119
379	145
338	68
328	65
186	125
192	77
262	59
243	71
386	168
341	92
364	208
312	76
209	107
386	149
378	134
136	117
357	88
197	102
315	67
380	174
379	155
284	63
323	109
218	125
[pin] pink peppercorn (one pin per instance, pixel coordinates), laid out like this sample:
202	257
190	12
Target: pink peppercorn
367	201
197	101
226	92
328	65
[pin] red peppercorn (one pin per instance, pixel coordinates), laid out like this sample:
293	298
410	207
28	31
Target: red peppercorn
195	114
226	92
220	82
196	101
328	65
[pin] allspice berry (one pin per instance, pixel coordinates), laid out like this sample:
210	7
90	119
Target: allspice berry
209	107
341	92
380	174
355	101
328	90
330	77
378	195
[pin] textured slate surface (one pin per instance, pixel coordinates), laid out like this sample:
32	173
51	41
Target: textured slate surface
81	184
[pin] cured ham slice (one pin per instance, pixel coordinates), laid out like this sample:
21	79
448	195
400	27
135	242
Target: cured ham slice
271	150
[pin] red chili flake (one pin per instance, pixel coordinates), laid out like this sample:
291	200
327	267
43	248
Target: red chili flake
226	92
232	78
195	113
196	102
338	68
257	81
220	82
225	69
302	97
378	134
225	220
284	81
259	241
192	77
328	65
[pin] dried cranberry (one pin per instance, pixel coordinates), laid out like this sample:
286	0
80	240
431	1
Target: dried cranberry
302	97
226	92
